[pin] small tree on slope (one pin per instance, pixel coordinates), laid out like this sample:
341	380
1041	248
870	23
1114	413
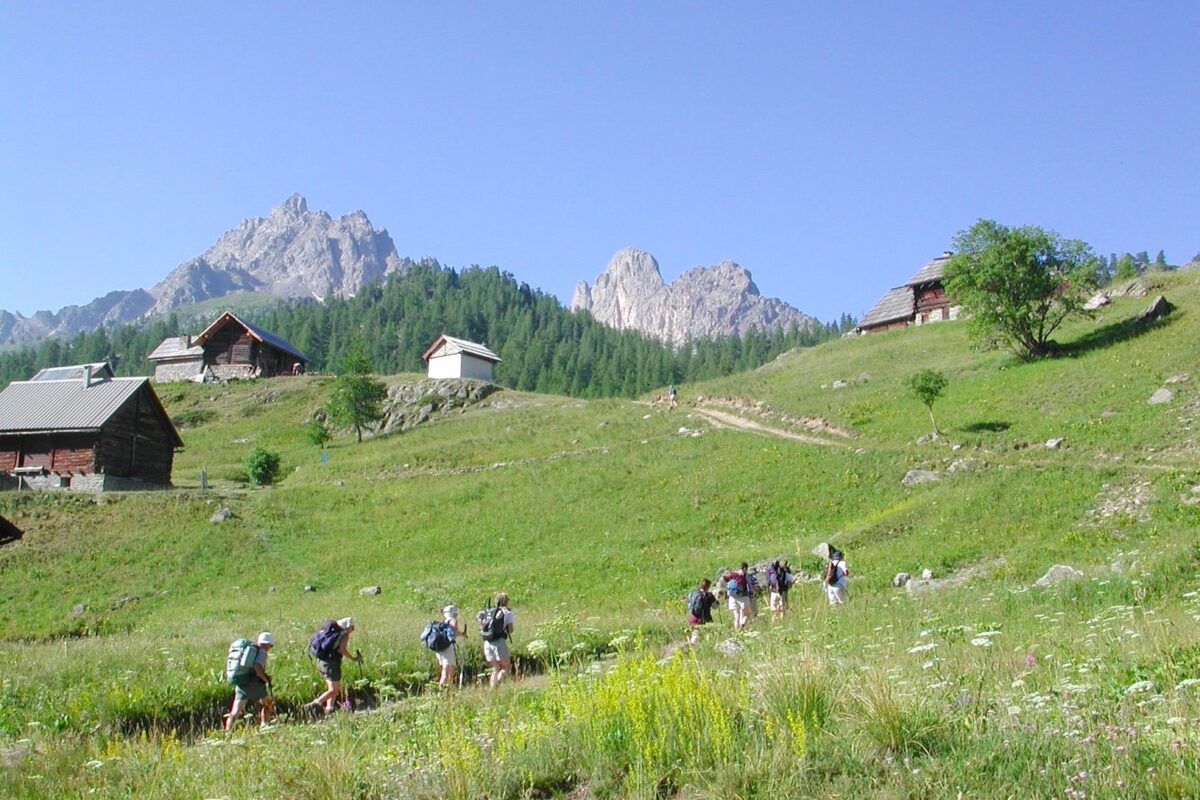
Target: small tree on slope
357	398
927	385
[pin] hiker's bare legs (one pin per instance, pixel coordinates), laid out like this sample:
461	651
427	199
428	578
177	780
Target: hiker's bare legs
499	670
328	698
446	677
266	710
239	706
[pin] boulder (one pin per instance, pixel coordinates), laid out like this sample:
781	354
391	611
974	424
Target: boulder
926	438
821	550
839	384
918	476
927	574
1052	444
1097	300
222	514
1161	396
370	590
1057	574
900	579
1159	307
308	587
78	609
731	648
1181	378
965	465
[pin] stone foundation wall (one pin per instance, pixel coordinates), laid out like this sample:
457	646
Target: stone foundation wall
178	371
91	482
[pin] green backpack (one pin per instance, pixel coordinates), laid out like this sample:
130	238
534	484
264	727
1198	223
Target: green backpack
240	660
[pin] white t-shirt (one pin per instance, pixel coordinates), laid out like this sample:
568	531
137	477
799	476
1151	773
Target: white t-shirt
842	572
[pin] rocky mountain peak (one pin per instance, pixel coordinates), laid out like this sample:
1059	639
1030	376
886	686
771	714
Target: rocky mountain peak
704	301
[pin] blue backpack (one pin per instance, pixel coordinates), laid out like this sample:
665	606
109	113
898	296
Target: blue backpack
324	643
735	585
437	636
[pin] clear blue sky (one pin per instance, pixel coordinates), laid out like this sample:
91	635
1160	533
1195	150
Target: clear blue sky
830	148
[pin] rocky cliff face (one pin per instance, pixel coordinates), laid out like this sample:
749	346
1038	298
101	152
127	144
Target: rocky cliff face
705	301
291	252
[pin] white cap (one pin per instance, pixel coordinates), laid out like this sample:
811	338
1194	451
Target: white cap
346	623
265	638
450	612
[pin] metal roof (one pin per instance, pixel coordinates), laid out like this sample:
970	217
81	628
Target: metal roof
454	345
63	405
175	347
930	272
896	304
101	369
255	331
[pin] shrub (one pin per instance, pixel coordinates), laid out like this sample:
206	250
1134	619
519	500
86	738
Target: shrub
262	466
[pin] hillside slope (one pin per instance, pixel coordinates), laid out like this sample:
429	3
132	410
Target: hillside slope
597	516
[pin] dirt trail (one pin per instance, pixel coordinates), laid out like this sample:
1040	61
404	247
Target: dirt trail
722	419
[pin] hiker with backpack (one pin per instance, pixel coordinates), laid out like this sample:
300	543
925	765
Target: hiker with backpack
779	580
836	578
329	646
246	671
442	639
700	602
740	591
495	626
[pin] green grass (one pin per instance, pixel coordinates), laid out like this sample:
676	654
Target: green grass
115	611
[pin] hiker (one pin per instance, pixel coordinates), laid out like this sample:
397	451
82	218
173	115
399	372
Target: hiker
671	395
246	669
778	578
495	626
442	639
700	602
738	587
328	647
836	578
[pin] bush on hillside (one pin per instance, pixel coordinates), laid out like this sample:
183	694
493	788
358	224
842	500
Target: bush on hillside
262	466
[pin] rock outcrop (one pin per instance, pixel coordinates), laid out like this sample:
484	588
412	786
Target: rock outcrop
291	252
705	301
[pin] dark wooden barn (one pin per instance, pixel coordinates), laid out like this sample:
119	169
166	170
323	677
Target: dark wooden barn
85	433
228	348
920	300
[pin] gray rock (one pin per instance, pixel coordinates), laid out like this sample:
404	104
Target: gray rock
1057	574
927	574
926	438
1159	307
1053	444
78	610
1161	396
1097	300
308	587
705	301
900	579
370	590
821	550
223	513
918	476
839	384
731	648
965	465
1181	378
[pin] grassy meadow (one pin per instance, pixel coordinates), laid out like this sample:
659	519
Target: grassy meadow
597	516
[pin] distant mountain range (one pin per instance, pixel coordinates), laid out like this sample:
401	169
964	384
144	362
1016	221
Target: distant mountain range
704	301
294	252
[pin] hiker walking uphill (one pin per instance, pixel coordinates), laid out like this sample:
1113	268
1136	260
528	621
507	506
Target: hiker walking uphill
740	589
495	626
442	638
246	670
779	580
700	602
836	578
329	646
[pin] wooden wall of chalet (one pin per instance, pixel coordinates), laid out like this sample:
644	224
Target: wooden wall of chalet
274	361
64	453
232	344
135	442
930	297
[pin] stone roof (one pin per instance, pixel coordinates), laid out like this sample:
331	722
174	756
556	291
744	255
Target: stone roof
175	347
453	345
930	272
897	304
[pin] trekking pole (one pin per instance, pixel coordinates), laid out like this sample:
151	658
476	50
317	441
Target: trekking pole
461	665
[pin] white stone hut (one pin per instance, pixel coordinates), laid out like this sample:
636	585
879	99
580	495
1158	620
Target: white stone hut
449	357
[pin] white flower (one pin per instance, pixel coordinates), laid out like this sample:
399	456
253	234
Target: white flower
931	663
1014	711
980	641
1189	682
921	648
1017	684
1140	687
94	764
536	647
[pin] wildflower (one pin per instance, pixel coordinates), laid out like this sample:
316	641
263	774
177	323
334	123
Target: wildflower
1030	660
980	641
537	647
1139	688
921	648
94	764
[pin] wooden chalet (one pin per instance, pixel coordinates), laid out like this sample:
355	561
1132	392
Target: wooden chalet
450	357
229	348
87	433
920	300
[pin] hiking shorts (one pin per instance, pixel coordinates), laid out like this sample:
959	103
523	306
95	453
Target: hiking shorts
250	689
445	658
495	651
330	670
